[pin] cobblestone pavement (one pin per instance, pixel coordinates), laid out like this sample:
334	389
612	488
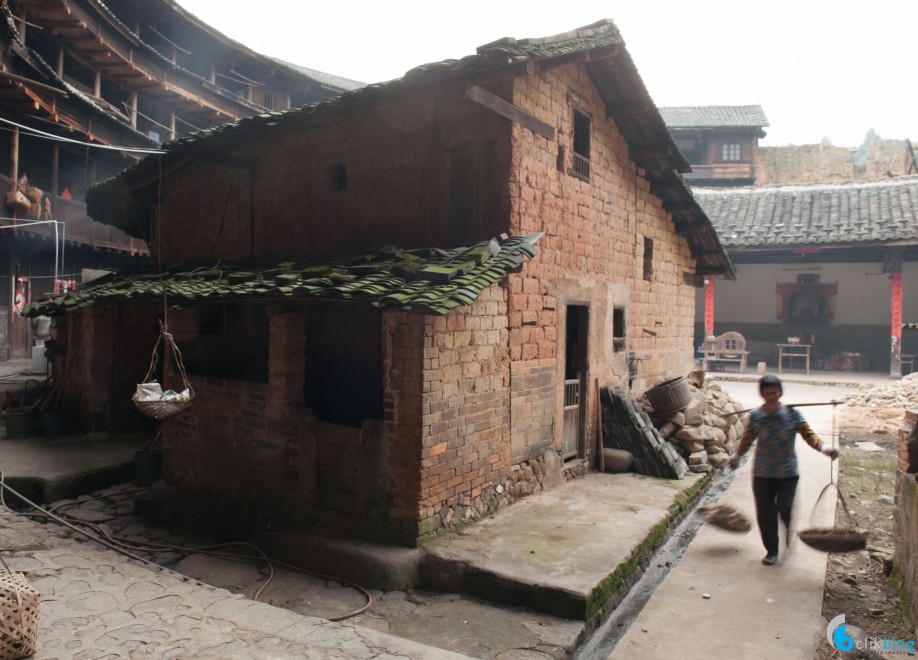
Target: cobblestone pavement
98	604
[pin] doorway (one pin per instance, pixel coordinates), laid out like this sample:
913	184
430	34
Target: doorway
575	381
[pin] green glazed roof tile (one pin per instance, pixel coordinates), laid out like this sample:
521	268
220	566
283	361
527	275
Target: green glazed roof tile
429	280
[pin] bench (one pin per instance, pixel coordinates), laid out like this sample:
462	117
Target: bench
728	347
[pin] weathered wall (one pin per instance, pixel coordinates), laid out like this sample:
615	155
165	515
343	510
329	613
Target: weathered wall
822	163
808	163
466	409
591	254
409	167
905	559
103	352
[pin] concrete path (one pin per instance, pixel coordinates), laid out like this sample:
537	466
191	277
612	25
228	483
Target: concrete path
719	598
97	604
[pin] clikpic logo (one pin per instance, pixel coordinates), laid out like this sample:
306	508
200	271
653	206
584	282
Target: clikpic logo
837	635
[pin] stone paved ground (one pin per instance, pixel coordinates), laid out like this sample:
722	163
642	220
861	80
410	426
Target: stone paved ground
98	604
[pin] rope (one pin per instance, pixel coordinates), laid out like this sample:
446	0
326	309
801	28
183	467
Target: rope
121	547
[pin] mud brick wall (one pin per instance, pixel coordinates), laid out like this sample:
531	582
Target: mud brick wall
400	163
466	409
532	391
404	391
105	351
592	252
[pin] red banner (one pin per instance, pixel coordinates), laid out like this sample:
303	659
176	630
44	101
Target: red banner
709	307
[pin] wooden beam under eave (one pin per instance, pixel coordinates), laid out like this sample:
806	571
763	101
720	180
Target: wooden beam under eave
629	108
651	151
526	68
693	228
496	104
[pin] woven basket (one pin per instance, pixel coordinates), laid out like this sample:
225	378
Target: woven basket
20	608
832	539
160	410
157	408
669	396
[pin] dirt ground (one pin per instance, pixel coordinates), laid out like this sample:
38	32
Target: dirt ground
857	583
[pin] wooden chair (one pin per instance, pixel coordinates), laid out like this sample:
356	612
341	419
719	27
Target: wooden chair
728	347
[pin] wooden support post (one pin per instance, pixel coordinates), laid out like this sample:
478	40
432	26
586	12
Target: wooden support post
60	60
134	110
97	84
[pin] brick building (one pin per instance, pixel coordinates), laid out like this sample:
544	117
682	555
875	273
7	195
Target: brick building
397	391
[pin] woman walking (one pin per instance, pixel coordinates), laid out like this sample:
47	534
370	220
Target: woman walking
774	427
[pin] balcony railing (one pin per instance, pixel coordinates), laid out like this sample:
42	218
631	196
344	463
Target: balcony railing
80	228
722	171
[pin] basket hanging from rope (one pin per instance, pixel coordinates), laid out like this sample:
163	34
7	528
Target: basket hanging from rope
150	398
20	609
834	539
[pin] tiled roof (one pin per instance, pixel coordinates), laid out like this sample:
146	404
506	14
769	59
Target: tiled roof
336	83
608	63
822	214
715	116
430	281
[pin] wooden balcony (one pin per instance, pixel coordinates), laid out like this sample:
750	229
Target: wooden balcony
722	172
78	228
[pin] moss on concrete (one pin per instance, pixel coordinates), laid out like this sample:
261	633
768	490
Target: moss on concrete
618	580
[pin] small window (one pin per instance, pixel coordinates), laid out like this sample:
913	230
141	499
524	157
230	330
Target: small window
618	329
731	152
581	146
648	258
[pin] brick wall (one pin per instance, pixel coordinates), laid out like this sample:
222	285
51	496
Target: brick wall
466	411
591	254
105	351
402	162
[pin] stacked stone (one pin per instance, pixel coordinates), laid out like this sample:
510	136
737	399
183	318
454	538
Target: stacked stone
901	394
704	432
627	426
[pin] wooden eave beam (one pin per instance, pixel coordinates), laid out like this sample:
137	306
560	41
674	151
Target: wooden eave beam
493	102
684	229
628	108
651	151
505	73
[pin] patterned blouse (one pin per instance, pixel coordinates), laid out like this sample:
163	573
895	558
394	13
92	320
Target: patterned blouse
774	453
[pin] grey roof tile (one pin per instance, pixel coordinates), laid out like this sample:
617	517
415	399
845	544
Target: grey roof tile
715	116
859	211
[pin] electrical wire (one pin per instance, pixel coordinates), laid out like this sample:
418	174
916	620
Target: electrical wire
130	549
34	132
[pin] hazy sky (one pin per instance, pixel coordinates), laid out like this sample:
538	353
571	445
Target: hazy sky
818	69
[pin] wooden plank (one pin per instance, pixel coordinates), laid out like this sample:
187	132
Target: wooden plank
504	109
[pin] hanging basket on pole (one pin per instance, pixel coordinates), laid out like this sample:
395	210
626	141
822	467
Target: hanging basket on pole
150	398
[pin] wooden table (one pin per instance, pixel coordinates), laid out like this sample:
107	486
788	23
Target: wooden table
793	351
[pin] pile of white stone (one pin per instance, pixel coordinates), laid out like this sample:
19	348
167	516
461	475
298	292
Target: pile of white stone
881	408
705	432
897	394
